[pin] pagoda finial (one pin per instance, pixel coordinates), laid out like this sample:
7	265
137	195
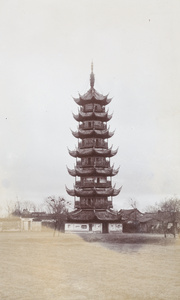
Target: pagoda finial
92	79
92	67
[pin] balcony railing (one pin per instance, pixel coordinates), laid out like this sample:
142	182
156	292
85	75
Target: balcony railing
91	108
97	144
93	164
92	125
92	184
105	205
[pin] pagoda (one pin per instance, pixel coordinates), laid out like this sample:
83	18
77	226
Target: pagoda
93	190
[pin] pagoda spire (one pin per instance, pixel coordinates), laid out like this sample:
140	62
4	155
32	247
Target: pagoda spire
92	78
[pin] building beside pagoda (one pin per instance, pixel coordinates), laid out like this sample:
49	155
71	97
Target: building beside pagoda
93	189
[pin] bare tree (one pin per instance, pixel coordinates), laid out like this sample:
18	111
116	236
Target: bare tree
171	204
169	210
9	208
153	208
23	207
168	214
58	207
133	203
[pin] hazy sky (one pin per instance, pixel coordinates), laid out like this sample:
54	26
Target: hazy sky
46	49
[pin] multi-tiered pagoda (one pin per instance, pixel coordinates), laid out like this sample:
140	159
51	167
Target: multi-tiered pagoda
93	189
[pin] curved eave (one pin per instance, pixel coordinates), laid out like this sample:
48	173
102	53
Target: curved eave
107	172
107	193
83	101
81	193
90	215
85	172
92	133
116	191
92	152
107	215
114	152
92	93
104	117
72	152
81	215
70	192
81	172
72	172
93	192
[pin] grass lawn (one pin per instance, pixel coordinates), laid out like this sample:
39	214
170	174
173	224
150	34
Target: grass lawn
88	266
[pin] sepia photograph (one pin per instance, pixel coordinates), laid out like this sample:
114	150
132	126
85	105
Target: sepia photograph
90	150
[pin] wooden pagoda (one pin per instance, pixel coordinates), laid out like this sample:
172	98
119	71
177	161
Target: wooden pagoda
93	190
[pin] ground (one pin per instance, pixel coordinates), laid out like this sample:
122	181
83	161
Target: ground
40	266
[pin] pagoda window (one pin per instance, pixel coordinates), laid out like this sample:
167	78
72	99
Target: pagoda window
98	124
88	202
86	124
99	160
90	142
97	107
103	180
89	161
101	201
88	107
87	142
84	161
88	179
100	180
83	201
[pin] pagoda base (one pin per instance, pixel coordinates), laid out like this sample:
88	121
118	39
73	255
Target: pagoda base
93	221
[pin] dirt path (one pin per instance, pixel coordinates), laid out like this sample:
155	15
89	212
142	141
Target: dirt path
65	267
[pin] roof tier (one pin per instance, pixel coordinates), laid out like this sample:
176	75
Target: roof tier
93	152
93	192
92	96
86	116
107	215
85	172
89	215
104	134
